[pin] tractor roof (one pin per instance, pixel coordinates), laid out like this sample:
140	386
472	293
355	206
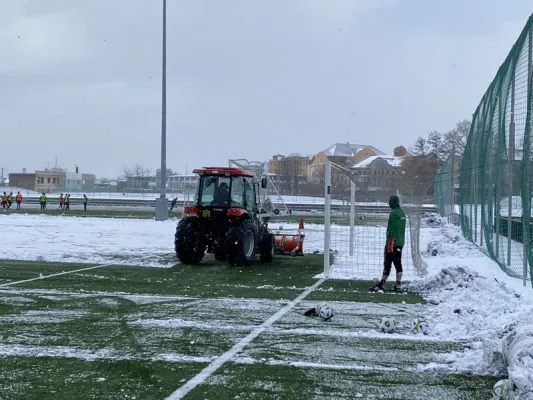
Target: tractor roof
225	171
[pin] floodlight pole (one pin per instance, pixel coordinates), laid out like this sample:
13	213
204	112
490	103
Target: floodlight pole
161	205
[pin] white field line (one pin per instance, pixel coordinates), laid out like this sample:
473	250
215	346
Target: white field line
228	355
64	273
52	275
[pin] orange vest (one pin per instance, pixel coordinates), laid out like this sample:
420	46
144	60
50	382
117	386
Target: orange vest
19	197
4	197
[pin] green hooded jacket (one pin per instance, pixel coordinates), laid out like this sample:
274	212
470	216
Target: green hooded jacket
397	222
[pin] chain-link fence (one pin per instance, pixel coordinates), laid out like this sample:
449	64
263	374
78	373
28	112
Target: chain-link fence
496	180
444	188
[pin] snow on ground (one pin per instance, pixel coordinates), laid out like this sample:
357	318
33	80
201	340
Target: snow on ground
105	240
86	240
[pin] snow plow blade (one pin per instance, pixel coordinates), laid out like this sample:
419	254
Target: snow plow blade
290	243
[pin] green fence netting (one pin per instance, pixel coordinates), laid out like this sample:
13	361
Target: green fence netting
496	181
443	186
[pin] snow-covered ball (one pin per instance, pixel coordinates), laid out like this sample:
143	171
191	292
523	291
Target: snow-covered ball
419	326
326	312
387	325
501	389
319	306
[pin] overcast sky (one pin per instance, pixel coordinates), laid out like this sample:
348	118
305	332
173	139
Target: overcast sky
81	80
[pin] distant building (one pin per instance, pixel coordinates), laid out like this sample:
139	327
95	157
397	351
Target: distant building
49	180
52	180
179	183
88	182
140	183
343	154
378	172
22	180
400	151
158	176
292	165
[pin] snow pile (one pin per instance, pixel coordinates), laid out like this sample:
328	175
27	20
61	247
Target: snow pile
517	350
448	240
476	308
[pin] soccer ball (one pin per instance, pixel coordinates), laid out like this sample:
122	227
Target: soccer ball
319	306
501	388
419	325
387	325
325	312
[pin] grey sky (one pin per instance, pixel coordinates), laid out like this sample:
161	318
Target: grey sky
81	79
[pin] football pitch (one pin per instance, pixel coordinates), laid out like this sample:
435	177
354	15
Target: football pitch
213	332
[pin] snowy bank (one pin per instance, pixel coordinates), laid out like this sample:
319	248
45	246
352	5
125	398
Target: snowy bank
477	303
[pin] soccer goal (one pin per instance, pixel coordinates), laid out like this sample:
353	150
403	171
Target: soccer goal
355	227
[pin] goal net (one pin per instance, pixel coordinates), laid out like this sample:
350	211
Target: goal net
356	217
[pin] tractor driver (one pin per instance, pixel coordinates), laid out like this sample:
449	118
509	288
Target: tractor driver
221	195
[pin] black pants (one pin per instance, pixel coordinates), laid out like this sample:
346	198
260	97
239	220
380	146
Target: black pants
43	205
393	258
18	204
84	206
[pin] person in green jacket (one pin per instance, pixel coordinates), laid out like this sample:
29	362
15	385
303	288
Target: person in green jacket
394	246
42	200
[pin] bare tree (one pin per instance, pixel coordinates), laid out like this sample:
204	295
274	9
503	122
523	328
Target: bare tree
137	175
420	147
319	175
291	171
457	137
137	170
418	174
435	144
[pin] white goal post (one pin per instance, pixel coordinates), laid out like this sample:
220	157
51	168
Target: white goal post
355	236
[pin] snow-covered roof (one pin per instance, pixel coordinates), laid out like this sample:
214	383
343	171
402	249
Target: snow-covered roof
391	160
349	149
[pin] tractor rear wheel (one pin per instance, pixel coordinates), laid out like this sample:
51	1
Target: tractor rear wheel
240	242
267	248
188	241
220	253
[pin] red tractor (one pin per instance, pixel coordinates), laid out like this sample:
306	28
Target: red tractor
224	219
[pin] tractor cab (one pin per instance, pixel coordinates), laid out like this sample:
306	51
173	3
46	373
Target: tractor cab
229	192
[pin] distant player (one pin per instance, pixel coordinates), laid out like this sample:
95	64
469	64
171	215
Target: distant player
173	204
19	200
394	246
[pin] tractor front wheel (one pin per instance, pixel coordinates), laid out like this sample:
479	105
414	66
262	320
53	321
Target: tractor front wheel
188	241
240	242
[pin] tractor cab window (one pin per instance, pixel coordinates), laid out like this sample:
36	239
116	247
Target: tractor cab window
214	191
237	192
249	191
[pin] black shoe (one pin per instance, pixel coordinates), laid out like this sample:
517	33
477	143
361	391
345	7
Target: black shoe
377	287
